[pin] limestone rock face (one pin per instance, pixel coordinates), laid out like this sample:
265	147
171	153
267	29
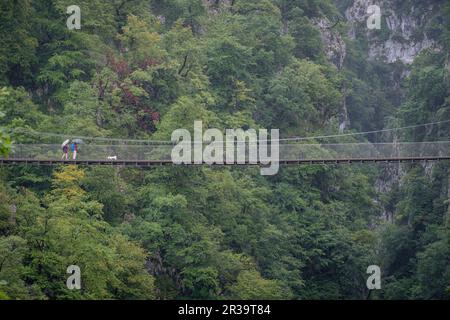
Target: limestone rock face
405	35
334	44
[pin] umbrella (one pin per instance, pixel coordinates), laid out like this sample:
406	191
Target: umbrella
65	142
78	141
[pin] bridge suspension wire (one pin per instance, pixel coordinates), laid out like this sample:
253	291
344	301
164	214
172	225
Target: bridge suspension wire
68	135
298	138
365	132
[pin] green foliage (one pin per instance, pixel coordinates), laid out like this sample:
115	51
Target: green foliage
307	37
17	44
5	143
250	286
428	96
183	114
141	69
70	230
302	97
19	113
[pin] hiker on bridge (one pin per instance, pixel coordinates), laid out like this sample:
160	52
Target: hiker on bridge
74	148
65	149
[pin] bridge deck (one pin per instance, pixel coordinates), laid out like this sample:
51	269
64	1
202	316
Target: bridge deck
150	163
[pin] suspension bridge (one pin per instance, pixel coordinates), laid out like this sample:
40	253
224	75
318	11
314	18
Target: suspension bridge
294	150
289	153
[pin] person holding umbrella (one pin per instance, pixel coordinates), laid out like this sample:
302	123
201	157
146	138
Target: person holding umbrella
74	146
65	149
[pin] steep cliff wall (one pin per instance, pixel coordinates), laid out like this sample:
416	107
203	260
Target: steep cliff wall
334	44
404	25
405	31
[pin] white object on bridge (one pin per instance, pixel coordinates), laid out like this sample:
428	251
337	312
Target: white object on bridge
112	158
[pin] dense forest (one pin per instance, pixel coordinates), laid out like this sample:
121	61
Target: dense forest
139	69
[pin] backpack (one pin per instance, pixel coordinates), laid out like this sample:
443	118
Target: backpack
72	147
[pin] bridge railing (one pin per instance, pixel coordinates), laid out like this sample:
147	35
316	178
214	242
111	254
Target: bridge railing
364	151
93	152
287	151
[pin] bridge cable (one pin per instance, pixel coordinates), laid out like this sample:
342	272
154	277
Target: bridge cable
49	134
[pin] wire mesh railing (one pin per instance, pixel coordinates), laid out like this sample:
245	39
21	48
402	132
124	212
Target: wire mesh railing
287	151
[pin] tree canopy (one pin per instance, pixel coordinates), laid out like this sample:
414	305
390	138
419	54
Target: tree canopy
139	70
